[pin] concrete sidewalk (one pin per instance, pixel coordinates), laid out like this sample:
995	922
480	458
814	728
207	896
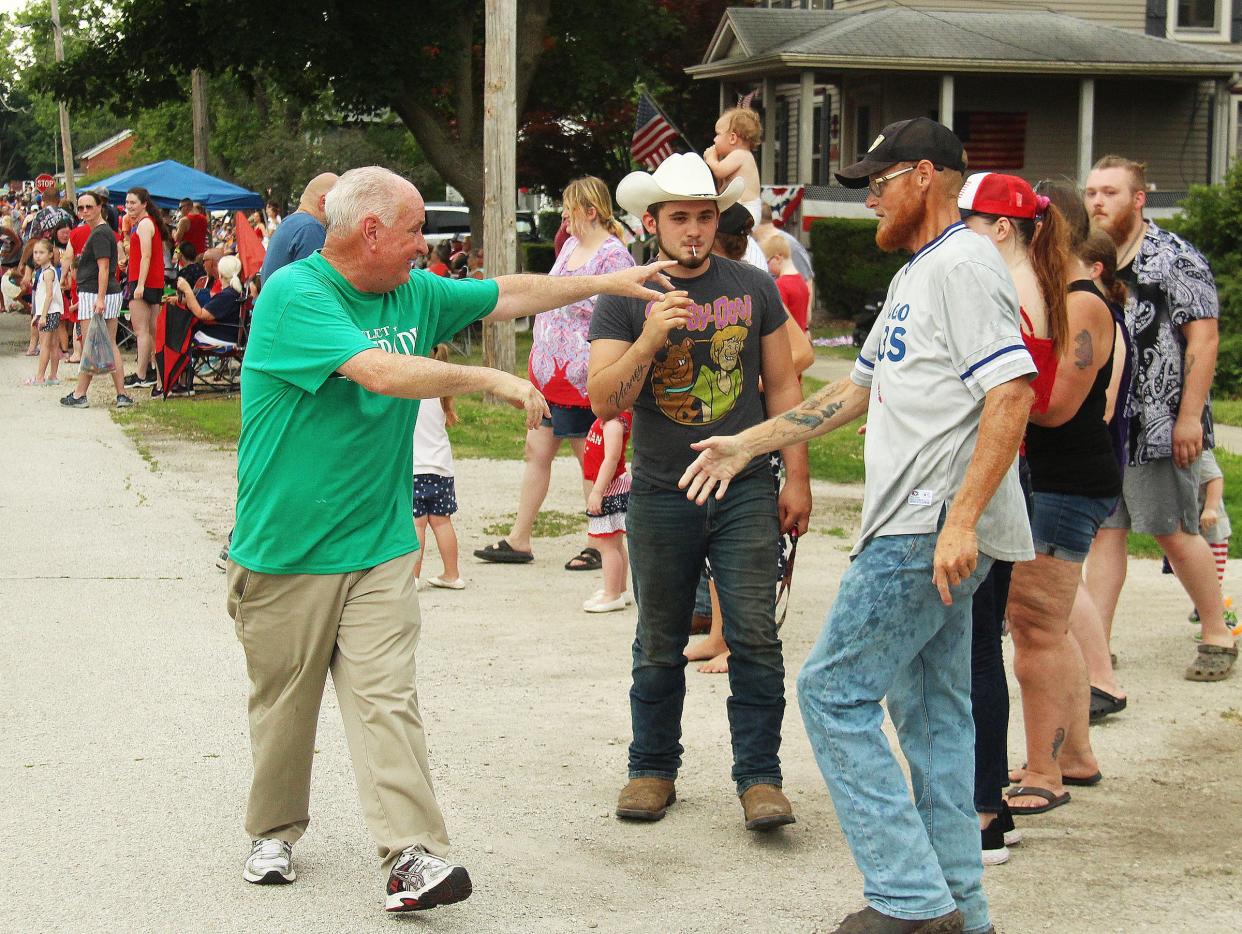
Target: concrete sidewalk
126	759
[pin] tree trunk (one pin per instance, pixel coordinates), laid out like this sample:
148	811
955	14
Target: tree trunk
65	141
198	114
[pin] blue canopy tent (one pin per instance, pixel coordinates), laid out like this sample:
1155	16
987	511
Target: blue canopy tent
170	181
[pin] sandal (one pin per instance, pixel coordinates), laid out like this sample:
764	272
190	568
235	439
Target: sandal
1104	704
503	553
1211	663
1054	800
588	559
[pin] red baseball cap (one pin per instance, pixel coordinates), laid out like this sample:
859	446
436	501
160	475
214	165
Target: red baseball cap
1002	195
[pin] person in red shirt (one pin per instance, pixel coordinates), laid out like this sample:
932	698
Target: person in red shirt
192	228
793	288
439	259
603	466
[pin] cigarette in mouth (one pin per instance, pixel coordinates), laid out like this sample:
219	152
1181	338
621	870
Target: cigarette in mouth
694	251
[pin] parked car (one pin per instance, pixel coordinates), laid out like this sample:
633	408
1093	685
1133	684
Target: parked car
448	221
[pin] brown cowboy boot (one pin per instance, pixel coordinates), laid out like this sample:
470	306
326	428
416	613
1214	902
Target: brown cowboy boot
765	807
645	798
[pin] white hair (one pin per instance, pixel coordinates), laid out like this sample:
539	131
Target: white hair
371	189
229	268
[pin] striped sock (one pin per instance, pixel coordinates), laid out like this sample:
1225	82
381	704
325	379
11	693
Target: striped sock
1220	550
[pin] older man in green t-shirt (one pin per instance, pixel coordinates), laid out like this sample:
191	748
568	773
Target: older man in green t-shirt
320	574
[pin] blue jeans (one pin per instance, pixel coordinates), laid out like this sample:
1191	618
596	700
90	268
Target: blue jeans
889	636
669	538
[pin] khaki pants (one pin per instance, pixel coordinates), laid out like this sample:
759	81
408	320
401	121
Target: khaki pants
363	626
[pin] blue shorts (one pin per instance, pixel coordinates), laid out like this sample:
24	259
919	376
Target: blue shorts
1064	525
569	421
434	495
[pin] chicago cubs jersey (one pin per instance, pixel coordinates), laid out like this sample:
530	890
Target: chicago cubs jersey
947	334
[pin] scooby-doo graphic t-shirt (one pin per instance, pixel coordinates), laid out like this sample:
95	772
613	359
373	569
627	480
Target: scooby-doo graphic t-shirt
323	465
706	379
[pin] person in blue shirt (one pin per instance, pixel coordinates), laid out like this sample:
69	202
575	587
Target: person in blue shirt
302	232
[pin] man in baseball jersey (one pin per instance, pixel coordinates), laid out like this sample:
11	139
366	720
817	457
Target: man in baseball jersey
944	380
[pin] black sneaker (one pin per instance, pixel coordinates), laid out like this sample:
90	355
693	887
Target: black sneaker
144	381
131	381
123	401
420	881
222	562
75	402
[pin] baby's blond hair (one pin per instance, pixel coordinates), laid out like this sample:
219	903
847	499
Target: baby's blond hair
745	123
776	245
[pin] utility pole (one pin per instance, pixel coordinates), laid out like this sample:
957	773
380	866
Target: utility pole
198	116
499	172
65	144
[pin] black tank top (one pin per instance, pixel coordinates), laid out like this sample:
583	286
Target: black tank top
1077	457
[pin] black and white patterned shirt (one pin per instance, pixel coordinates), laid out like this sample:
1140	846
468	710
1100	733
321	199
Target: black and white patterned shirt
1170	286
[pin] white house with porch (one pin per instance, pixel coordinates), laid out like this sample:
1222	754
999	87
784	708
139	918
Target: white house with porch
1039	89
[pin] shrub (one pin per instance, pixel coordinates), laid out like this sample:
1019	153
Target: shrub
538	257
1228	381
849	267
549	223
1211	220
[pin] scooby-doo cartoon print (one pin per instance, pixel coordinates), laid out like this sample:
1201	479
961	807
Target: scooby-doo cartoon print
702	397
672	376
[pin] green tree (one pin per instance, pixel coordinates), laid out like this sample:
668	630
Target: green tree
426	68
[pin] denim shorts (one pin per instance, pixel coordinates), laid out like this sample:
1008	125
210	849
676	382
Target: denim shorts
569	421
1064	525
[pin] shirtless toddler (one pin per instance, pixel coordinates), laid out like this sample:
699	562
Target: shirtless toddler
738	133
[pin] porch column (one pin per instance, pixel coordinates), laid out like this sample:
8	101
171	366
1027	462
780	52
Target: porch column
723	99
946	100
767	153
1086	127
1222	104
806	128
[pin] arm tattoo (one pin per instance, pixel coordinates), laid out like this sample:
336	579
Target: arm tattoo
1083	354
1190	364
812	418
618	398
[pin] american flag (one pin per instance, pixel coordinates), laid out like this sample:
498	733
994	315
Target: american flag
654	136
993	140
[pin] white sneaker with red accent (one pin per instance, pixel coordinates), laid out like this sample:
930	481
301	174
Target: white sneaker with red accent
420	881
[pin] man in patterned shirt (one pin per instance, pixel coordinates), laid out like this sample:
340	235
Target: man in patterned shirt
1172	313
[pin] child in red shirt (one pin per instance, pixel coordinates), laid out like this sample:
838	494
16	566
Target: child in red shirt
603	466
794	292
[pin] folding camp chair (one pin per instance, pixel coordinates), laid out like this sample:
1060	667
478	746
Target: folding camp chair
216	368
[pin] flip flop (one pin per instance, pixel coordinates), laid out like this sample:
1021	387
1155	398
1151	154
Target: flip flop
1054	800
1087	782
1104	704
588	560
1083	782
503	553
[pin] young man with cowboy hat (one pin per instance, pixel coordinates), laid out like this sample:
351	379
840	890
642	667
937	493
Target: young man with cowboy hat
944	381
689	365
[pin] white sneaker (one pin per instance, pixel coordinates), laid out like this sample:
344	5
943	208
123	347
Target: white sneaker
600	605
595	598
270	862
419	881
457	584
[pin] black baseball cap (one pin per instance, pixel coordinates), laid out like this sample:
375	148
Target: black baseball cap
906	141
735	220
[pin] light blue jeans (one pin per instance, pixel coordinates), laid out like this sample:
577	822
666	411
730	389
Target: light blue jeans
889	636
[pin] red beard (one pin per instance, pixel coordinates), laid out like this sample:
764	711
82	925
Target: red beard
898	227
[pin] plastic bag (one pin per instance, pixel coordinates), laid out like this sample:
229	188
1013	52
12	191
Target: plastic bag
97	349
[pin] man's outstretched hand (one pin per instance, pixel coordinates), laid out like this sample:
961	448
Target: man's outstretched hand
721	458
630	283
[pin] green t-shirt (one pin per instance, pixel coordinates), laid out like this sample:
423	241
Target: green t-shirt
323	465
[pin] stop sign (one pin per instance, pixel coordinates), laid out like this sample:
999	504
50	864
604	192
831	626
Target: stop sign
44	182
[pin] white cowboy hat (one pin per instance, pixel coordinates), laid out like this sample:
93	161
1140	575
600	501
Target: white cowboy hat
680	177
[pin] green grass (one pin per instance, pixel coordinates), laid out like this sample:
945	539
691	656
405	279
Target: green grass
550	523
216	421
1227	411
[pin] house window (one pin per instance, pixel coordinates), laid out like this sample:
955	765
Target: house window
993	140
1199	20
1197	14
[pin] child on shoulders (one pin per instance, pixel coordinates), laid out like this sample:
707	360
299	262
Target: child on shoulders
731	155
